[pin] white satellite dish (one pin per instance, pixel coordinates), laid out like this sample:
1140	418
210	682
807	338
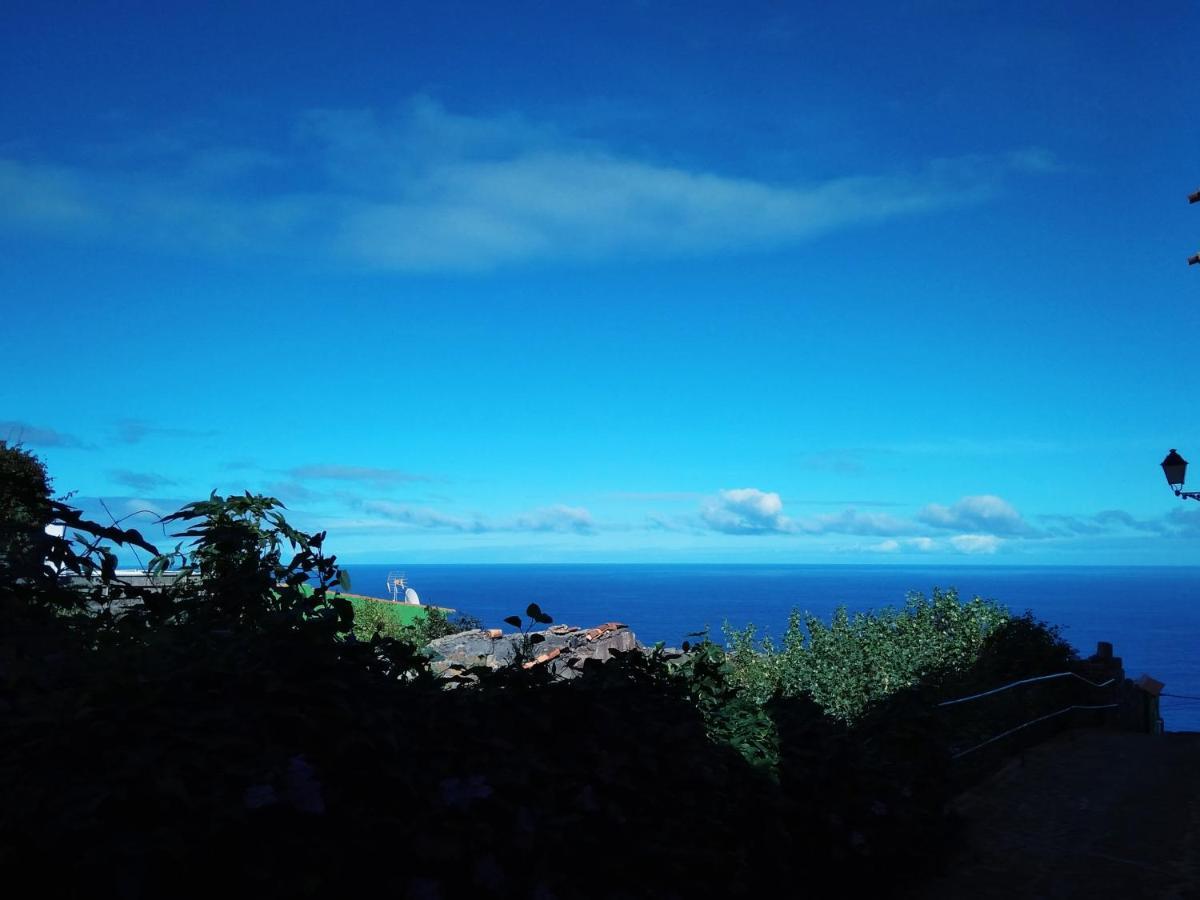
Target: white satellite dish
410	596
55	531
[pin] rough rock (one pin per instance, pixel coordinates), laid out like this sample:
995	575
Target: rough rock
561	648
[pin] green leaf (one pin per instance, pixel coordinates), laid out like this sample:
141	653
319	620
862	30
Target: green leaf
514	621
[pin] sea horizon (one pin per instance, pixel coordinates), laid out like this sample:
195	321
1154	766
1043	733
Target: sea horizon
848	565
1148	613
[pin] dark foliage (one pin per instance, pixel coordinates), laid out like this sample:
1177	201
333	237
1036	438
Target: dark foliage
247	566
273	765
228	736
1021	648
24	497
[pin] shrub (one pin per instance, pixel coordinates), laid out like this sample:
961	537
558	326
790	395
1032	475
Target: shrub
231	739
862	658
41	591
731	714
1021	647
24	513
413	625
235	571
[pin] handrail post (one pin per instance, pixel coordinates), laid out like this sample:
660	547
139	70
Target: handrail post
1103	665
1148	691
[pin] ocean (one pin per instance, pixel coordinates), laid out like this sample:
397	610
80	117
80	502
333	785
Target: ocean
1150	614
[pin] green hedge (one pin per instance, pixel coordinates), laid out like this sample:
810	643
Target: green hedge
861	658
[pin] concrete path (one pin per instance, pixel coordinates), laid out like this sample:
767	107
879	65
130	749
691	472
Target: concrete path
1090	814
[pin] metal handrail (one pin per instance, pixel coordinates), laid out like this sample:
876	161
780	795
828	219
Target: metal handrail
1027	724
1027	681
1023	725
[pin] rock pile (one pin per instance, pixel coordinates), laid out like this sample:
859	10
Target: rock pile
561	648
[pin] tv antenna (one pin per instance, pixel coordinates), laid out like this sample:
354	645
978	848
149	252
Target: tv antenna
396	585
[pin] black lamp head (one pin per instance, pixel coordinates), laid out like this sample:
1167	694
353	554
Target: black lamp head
1175	468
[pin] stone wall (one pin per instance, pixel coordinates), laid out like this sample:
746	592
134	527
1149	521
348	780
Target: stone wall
562	648
1137	700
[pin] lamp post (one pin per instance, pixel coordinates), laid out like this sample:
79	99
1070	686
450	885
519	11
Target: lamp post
1194	197
1175	468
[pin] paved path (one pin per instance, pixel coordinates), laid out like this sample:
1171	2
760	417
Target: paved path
1090	814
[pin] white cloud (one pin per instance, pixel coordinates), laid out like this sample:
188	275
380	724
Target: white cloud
424	518
362	474
134	431
17	433
559	519
426	189
585	204
132	512
985	513
1177	522
753	511
746	511
975	543
907	545
292	492
46	197
140	481
1182	522
1035	159
135	506
850	521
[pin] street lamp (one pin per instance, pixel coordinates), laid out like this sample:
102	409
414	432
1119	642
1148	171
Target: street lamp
1194	197
1175	468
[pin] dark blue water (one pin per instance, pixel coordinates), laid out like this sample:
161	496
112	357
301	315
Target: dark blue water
1150	614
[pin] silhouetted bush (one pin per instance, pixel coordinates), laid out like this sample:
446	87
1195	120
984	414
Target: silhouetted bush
24	505
225	735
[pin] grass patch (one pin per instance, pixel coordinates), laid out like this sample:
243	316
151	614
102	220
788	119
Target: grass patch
400	615
403	621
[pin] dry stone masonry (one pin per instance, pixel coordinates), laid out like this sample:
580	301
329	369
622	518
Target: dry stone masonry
562	648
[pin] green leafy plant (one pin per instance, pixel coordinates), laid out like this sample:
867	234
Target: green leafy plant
732	715
246	565
24	508
394	620
61	579
859	659
529	639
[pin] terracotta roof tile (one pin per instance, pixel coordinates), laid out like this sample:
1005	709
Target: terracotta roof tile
543	658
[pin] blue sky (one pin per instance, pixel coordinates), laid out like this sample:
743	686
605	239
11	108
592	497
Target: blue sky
621	281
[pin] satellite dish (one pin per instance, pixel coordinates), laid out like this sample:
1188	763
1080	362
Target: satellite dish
55	531
396	585
410	596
